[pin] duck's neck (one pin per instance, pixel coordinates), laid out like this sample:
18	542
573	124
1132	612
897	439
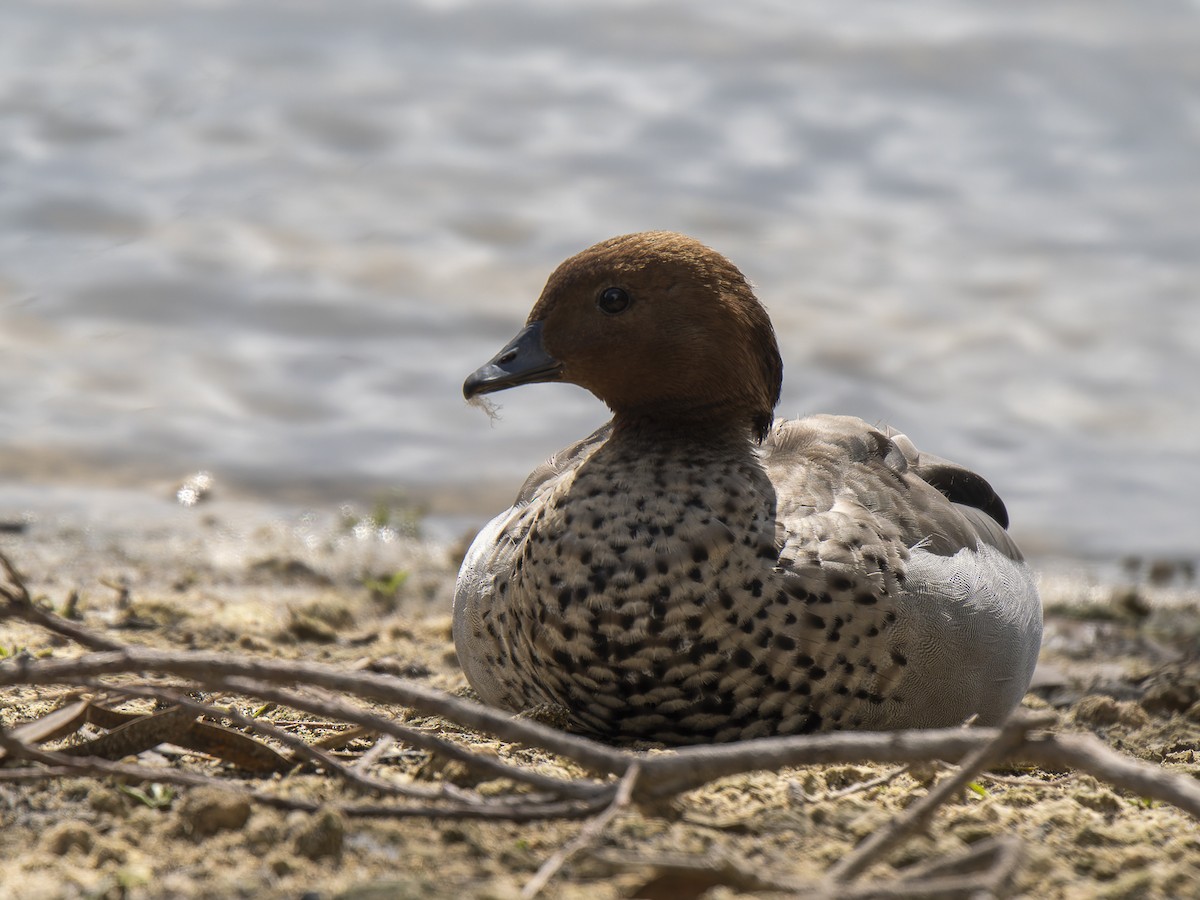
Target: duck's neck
669	429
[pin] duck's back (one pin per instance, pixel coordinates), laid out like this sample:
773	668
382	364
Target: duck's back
889	594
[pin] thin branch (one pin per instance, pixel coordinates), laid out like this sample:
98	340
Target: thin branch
214	668
491	811
988	864
484	763
587	836
1089	754
374	754
297	745
980	871
874	847
857	787
718	865
20	605
338	739
14	590
1025	780
57	765
91	765
664	774
692	767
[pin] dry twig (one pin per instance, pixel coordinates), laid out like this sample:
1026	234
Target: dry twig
858	787
665	774
19	604
588	835
321	691
981	871
915	816
300	748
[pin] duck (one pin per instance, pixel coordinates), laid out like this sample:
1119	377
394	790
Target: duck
698	571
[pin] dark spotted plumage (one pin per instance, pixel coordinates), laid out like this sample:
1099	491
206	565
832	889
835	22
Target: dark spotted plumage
671	579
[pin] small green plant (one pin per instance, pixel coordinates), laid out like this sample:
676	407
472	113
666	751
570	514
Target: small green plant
381	516
70	608
129	877
385	586
156	796
390	517
385	589
978	788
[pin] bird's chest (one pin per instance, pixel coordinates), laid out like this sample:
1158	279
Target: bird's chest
624	581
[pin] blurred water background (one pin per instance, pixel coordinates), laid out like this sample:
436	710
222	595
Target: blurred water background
269	238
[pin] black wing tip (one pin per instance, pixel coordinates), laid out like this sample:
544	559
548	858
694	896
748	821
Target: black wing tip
963	486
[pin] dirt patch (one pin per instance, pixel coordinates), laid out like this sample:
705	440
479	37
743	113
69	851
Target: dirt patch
1114	664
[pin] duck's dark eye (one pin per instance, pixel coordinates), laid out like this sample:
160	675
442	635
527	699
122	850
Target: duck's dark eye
614	300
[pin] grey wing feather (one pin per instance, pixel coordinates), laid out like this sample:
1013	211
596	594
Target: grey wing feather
933	502
969	617
970	493
971	625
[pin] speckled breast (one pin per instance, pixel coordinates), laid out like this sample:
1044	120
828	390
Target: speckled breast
648	600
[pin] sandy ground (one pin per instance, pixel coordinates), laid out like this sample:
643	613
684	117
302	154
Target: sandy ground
1119	660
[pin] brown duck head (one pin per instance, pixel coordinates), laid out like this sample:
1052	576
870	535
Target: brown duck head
658	326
